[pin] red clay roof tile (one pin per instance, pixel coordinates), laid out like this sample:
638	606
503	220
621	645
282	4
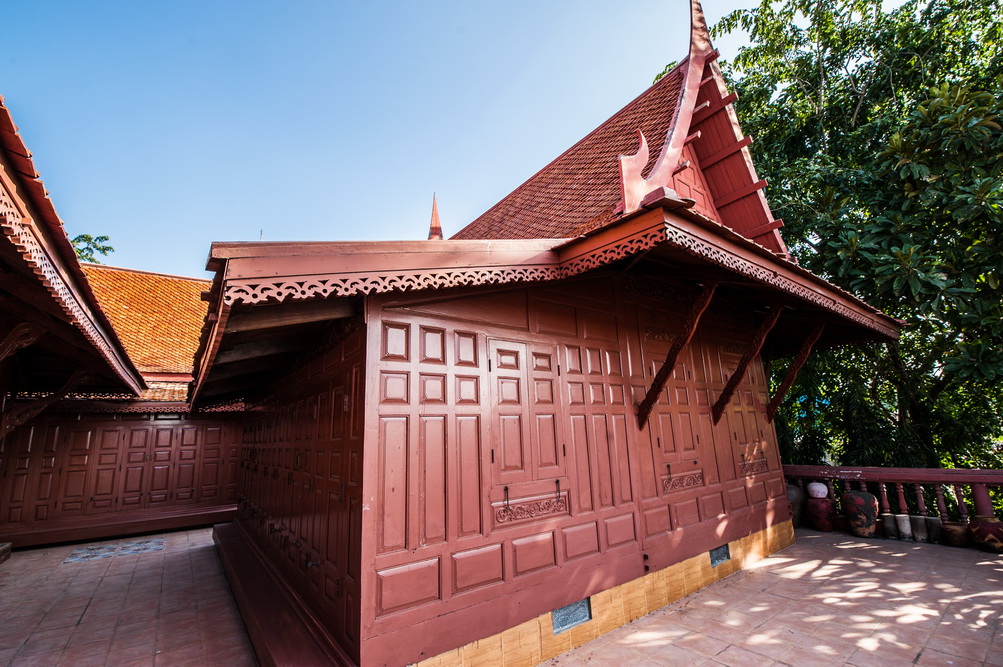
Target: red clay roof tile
157	316
580	190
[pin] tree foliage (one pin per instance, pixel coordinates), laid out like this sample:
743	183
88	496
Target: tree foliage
89	247
879	132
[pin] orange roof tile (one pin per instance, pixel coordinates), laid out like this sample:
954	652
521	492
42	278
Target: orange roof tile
157	316
580	190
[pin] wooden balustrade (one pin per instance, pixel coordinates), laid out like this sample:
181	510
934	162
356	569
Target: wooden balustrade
906	491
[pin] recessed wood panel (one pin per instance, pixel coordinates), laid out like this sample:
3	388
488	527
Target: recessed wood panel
737	498
620	530
602	472
597	325
468	447
433	345
711	505
583	462
466	348
393	482
432	476
477	567
687	512
573	354
511	443
433	388
757	492
394	387
533	553
467	390
581	540
395	342
657	521
546	442
407	585
576	393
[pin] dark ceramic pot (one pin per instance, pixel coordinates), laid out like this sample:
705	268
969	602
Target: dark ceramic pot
796	499
954	533
987	533
821	512
861	510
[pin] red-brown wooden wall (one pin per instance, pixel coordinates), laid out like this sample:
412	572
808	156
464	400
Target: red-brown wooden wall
68	477
405	482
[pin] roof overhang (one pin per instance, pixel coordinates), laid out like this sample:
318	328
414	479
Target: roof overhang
44	277
264	293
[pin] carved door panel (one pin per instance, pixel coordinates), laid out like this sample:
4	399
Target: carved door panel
138	458
333	501
104	492
75	474
161	476
15	466
528	437
210	481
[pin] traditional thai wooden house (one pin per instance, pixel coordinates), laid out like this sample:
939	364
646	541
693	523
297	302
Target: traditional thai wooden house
94	370
563	407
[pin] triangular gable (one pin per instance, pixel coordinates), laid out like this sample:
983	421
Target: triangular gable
703	157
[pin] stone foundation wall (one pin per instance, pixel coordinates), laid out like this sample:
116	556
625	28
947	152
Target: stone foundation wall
534	641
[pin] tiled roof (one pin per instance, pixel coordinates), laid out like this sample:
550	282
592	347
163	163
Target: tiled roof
158	317
580	190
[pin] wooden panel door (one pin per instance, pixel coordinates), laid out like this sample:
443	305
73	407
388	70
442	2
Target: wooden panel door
75	473
138	458
161	477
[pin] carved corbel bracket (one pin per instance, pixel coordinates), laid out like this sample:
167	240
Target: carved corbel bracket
793	369
755	345
19	414
682	340
20	337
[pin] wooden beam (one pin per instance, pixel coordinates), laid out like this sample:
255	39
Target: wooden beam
793	369
705	110
755	345
749	189
245	351
727	151
681	341
290	314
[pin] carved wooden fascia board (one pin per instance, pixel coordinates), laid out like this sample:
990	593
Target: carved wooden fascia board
19	337
755	345
689	327
20	230
793	369
21	413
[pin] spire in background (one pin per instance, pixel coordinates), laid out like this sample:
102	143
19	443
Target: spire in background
434	228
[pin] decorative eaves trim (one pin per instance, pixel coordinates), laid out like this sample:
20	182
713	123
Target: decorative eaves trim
16	226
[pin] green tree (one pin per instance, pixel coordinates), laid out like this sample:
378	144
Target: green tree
88	247
879	134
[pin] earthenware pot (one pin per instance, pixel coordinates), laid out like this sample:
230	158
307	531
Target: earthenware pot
954	533
987	533
820	513
796	499
861	510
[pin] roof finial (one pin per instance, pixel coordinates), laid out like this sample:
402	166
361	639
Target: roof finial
434	228
699	34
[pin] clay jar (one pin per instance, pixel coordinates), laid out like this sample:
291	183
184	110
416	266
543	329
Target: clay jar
817	490
987	533
796	499
821	510
861	510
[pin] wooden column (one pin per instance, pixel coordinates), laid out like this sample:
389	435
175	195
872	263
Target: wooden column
681	341
750	353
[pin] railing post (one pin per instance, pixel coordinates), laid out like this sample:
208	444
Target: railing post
887	518
919	522
902	518
983	503
962	507
941	504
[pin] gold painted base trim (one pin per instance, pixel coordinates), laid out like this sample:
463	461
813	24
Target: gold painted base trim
534	641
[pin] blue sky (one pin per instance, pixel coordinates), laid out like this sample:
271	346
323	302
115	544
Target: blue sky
169	125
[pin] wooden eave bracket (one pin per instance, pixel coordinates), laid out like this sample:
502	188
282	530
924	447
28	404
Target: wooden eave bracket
682	340
755	345
793	369
21	413
19	337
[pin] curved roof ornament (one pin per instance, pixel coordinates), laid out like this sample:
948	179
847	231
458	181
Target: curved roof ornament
434	226
635	187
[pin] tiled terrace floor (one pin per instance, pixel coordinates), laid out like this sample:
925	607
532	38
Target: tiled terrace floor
829	600
155	607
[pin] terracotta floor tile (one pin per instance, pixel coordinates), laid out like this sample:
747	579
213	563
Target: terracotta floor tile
47	659
963	648
736	656
701	644
934	657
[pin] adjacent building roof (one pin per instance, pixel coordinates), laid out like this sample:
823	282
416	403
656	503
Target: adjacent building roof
157	316
44	286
